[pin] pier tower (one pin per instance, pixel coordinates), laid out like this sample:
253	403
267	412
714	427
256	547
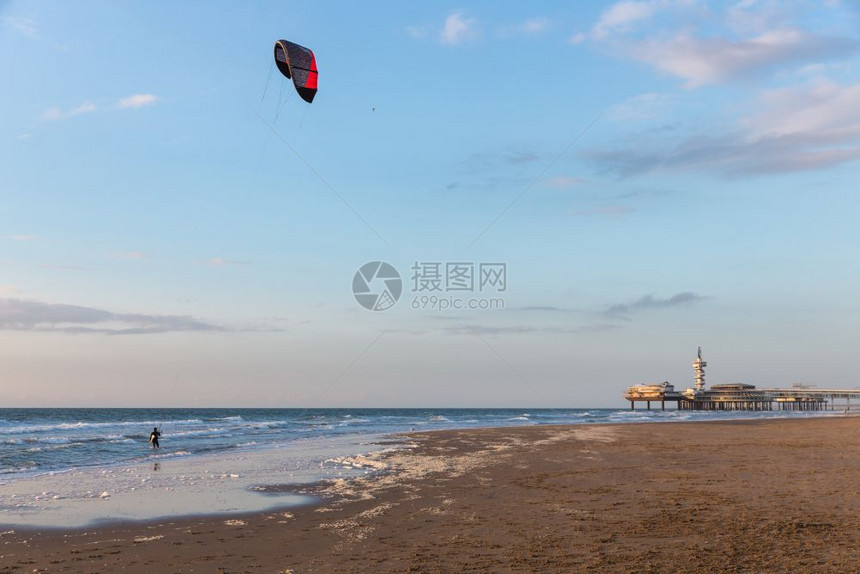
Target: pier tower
699	366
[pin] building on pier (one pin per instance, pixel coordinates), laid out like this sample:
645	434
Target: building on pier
736	396
726	397
647	392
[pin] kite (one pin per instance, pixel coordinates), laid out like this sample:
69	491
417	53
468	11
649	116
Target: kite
298	63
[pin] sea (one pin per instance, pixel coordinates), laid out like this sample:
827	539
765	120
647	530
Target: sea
34	441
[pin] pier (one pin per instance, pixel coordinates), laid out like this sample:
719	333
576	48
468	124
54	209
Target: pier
738	396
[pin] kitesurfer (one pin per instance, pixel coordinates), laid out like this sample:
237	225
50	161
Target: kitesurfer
153	438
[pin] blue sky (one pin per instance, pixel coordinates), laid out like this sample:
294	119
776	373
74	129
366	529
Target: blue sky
656	175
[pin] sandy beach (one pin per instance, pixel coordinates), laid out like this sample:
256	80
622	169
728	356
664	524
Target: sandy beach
739	496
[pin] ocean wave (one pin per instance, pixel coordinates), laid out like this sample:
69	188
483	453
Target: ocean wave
264	425
350	421
313	421
50	439
173	454
84	425
65	439
53	447
28	467
219	431
317	427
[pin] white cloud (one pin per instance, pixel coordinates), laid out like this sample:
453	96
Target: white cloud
132	102
24	237
84	108
641	107
23	136
577	38
458	29
801	128
530	27
137	101
535	25
417	32
24	26
745	38
702	61
563	182
52	114
818	70
621	17
824	111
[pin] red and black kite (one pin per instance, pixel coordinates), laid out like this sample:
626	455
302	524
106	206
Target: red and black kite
298	63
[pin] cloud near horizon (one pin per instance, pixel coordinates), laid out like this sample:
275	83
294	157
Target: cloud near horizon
473	329
563	182
648	302
131	255
223	262
25	315
608	210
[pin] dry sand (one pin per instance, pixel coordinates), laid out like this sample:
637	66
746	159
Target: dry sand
740	496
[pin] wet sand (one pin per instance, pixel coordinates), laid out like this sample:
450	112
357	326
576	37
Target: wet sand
740	496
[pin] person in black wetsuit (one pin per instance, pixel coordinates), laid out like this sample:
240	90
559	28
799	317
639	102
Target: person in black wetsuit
153	438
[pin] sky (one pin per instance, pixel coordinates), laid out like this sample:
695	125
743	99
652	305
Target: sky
178	228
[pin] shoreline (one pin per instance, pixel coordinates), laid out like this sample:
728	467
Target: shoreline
340	460
759	495
176	487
